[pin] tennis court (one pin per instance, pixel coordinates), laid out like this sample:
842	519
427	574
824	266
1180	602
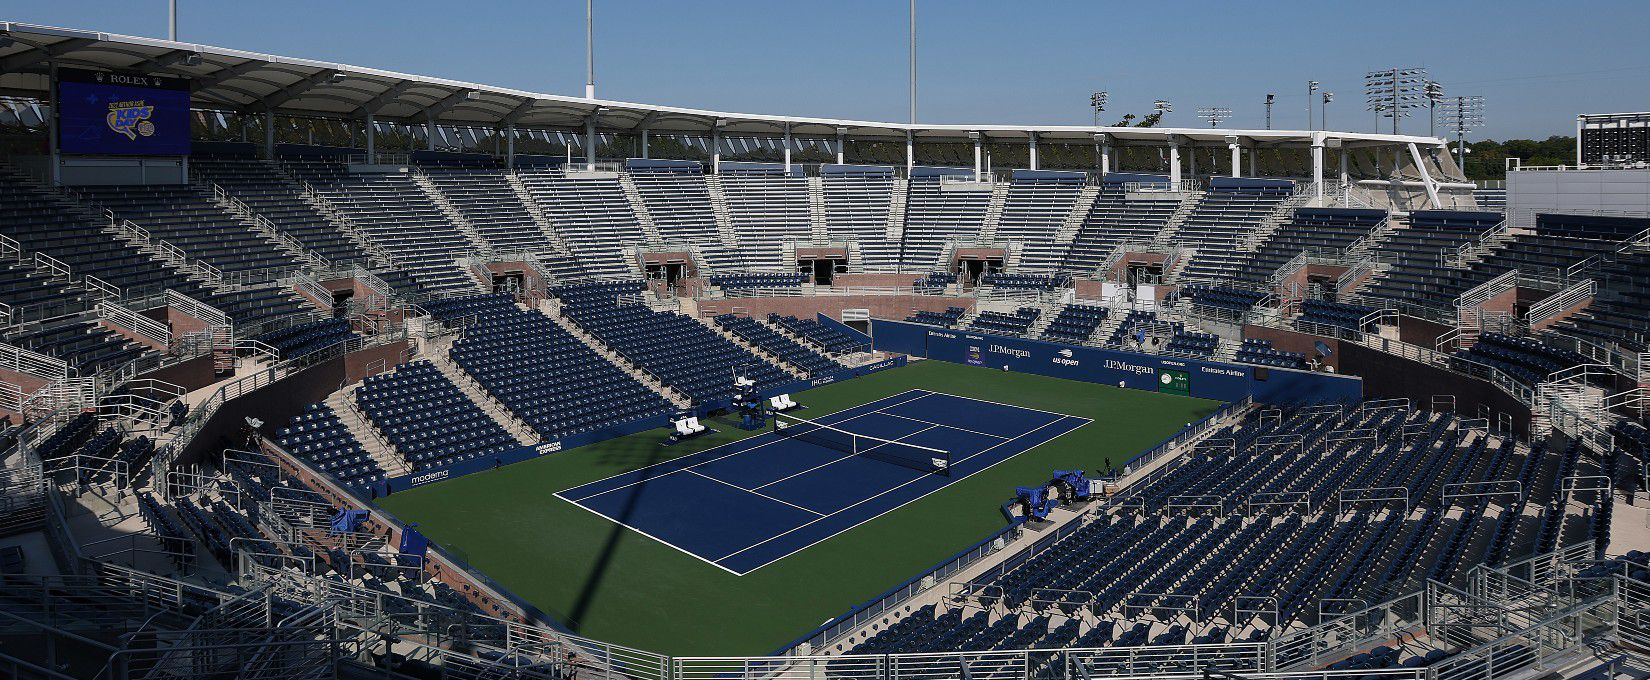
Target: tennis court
749	503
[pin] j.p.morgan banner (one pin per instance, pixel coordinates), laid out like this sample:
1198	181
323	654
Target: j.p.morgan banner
1170	375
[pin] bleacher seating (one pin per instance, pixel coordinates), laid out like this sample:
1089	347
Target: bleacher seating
792	352
320	438
1026	281
678	199
180	215
590	214
1117	218
947	318
832	340
1322	231
484	198
1037	204
858	199
396	215
934	215
1417	255
1338	314
935	281
298	340
1222	297
1260	352
679	351
428	419
757	281
1525	359
1223	222
1192	344
766	207
273	196
541	373
1003	323
1075	323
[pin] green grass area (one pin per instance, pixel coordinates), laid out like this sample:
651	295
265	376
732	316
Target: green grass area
610	583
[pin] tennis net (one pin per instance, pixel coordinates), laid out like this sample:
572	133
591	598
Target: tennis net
923	458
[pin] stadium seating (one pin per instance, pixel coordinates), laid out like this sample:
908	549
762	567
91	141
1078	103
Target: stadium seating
261	186
1525	359
857	201
1338	314
1003	323
947	318
298	340
782	282
832	340
766	207
1075	323
679	351
428	420
541	373
1260	352
191	221
762	337
321	439
934	215
1224	221
1035	208
1026	281
1117	218
1222	297
1322	231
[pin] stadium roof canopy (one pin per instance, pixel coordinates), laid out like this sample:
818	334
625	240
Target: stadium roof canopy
253	83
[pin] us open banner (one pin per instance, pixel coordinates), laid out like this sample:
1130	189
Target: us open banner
1132	370
122	115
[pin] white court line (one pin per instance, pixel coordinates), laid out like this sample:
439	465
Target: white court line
851	455
668	544
644	480
950	427
900	486
755	493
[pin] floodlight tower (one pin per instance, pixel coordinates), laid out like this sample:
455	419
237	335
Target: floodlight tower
1461	115
1214	114
1323	111
1162	107
1434	92
1311	89
1098	102
1394	92
1269	98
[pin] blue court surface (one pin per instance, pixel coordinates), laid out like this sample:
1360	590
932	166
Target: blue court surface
746	504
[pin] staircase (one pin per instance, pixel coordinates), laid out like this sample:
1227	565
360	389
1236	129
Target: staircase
896	210
1109	326
552	309
538	213
1473	252
379	257
994	212
816	211
856	259
1366	245
1073	222
644	219
719	210
343	404
517	428
258	223
1281	214
458	220
1171	228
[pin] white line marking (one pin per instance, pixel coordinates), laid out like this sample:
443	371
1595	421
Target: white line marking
697	473
900	486
950	427
672	546
851	455
773	440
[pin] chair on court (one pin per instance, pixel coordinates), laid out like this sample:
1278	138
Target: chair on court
781	402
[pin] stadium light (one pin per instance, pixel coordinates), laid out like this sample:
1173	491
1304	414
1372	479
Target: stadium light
1269	98
1323	111
1434	92
1214	114
1394	92
1461	115
1162	106
1098	101
1311	89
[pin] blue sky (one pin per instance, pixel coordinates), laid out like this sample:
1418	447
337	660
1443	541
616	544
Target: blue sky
1537	62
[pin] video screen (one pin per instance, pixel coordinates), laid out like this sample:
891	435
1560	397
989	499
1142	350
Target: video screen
126	115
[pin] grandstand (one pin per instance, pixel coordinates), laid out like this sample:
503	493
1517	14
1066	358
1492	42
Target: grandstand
327	403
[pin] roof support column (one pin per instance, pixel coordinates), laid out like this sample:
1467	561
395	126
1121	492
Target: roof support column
1426	177
510	147
910	151
841	144
1174	164
1104	142
787	148
1237	159
590	143
716	149
372	140
1317	168
1191	153
1032	139
977	153
1346	177
429	132
269	134
644	142
56	154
